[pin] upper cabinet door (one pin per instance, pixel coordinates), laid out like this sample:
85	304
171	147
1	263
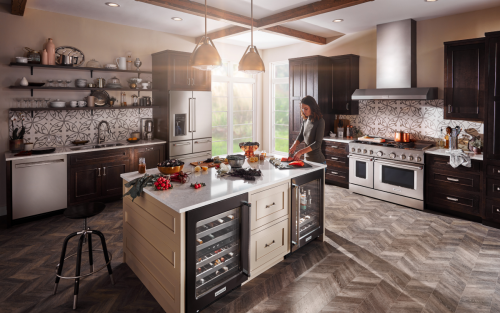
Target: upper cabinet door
345	80
201	80
310	78
465	76
295	85
492	134
181	72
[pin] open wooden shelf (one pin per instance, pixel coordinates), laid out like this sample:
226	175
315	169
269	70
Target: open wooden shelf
74	89
128	107
76	68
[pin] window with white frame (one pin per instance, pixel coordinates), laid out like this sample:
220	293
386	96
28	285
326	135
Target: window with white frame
233	109
279	107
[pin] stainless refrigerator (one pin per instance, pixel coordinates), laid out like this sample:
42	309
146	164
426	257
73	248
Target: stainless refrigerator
190	125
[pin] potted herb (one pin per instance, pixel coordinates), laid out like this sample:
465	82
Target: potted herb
16	140
112	101
477	146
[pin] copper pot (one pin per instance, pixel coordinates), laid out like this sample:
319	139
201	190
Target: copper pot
406	137
398	136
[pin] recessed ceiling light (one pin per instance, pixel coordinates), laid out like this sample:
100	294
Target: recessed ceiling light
338	20
176	18
431	0
111	4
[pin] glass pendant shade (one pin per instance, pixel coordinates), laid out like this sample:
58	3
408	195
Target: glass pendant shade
205	56
251	62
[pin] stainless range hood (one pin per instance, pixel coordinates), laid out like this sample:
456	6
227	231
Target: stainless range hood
396	65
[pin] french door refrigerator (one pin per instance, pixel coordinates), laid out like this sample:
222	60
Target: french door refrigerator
190	133
307	208
217	250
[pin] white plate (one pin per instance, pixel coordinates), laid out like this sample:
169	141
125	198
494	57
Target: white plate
58	104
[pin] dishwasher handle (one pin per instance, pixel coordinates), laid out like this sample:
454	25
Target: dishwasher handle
32	164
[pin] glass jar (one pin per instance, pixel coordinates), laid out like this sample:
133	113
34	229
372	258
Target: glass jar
142	165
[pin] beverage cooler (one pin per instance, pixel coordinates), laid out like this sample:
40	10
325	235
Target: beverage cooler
307	208
217	250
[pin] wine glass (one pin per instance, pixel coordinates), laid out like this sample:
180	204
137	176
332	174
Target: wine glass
68	81
59	83
46	102
50	81
18	102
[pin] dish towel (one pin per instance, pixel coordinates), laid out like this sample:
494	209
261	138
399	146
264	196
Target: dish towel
458	157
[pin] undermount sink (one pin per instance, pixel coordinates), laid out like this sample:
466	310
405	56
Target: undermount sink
97	146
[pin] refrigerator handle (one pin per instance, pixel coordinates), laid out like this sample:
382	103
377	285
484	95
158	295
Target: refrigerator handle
245	231
194	115
190	119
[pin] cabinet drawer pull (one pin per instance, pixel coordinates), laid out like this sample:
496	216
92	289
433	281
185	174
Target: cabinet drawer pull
334	173
452	199
270	205
104	171
189	81
450	108
347	106
99	173
192	81
335	147
334	158
452	179
270	244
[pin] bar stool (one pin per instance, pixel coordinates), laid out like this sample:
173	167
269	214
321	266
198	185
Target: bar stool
83	211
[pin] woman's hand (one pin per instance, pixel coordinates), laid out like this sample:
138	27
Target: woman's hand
297	156
292	150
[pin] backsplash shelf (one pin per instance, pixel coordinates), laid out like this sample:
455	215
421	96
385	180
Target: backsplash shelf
75	89
129	107
91	69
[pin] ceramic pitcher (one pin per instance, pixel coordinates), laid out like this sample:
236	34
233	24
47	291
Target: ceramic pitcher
121	63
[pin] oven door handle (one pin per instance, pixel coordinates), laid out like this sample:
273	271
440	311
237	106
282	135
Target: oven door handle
400	165
245	230
355	157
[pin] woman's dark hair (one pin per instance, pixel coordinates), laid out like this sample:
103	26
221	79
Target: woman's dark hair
315	111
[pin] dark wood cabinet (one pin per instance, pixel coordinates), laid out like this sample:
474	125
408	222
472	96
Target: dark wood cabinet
337	163
309	76
84	184
182	76
180	71
112	184
201	80
492	122
345	80
465	79
153	155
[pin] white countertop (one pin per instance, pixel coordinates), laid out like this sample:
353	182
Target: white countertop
345	140
438	151
184	198
67	149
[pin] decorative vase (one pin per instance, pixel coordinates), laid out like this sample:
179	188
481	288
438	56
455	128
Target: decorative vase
477	150
24	82
137	63
16	145
51	52
111	103
45	57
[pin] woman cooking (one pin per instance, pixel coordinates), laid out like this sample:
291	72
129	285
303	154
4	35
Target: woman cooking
311	132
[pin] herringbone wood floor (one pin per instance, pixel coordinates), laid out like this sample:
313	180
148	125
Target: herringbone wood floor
387	258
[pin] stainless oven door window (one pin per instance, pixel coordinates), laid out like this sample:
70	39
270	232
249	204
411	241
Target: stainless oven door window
400	178
361	171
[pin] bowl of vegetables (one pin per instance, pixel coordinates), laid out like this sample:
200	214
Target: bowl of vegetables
169	167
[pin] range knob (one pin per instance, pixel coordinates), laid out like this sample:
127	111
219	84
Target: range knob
353	149
359	150
371	151
403	157
365	151
410	158
392	155
380	153
419	159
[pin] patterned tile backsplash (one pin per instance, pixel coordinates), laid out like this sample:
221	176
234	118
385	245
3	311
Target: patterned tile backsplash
423	119
59	128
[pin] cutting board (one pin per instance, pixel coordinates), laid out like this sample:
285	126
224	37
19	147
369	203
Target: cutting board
291	167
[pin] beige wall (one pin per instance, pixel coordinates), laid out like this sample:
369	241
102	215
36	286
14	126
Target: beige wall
430	51
98	40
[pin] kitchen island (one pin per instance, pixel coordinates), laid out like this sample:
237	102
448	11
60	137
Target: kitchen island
192	246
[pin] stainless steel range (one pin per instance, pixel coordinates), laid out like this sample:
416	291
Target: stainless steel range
389	171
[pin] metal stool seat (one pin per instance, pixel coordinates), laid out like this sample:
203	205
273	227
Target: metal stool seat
83	211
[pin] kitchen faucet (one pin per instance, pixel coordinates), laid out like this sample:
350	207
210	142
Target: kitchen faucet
99	131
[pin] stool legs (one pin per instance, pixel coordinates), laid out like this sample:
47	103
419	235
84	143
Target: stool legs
61	261
91	260
105	251
77	270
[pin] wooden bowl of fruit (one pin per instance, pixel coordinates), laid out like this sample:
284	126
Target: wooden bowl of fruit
170	167
133	139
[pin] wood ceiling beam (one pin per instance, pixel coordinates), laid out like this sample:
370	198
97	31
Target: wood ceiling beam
313	9
18	7
198	9
226	32
297	34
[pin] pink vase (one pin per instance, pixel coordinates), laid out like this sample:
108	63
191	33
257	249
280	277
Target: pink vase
51	52
45	57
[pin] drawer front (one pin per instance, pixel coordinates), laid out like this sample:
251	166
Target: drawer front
180	148
455	201
98	156
270	243
492	210
269	205
336	175
336	162
456	180
438	162
335	150
336	144
201	145
493	188
493	171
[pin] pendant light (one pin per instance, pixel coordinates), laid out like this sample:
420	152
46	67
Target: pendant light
251	62
205	56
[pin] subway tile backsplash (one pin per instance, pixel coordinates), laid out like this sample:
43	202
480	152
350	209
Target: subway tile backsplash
59	128
423	119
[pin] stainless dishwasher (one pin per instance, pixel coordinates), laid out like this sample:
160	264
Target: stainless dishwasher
39	185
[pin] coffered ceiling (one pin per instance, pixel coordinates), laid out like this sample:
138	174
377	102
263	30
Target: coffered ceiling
280	22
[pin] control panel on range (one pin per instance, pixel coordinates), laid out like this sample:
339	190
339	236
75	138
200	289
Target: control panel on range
407	155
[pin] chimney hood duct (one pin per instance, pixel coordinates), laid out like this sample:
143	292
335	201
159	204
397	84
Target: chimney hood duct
396	65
